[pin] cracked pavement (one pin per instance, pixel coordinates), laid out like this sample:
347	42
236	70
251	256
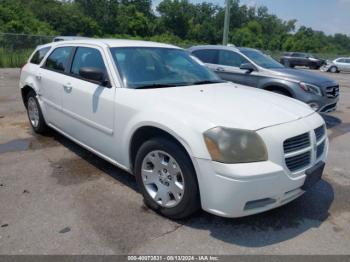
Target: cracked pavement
57	198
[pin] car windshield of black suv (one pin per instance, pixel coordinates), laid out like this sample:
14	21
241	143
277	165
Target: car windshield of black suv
261	59
150	67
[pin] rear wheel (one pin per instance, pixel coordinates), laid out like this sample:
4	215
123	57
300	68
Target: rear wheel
35	115
166	178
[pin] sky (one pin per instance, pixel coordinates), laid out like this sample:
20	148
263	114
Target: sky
330	16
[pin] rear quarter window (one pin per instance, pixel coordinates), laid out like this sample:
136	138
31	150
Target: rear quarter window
39	55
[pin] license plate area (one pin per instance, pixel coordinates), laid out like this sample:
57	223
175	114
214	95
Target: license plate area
313	175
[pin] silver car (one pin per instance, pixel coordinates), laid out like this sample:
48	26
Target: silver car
341	64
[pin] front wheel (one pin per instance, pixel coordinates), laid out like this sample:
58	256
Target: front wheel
333	69
35	115
166	178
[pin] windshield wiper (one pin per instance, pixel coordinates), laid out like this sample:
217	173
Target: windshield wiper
155	86
205	82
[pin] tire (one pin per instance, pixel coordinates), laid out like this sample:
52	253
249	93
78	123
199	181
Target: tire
35	114
333	69
156	179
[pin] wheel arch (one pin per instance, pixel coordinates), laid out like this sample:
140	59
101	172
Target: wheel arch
279	87
24	92
147	132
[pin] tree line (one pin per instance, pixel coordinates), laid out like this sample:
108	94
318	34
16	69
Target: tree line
176	21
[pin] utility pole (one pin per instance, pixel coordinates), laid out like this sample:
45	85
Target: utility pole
227	23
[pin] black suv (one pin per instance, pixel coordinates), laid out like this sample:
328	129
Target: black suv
250	67
301	59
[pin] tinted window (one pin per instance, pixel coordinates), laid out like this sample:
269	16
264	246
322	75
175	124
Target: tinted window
207	56
39	55
143	67
58	59
347	61
87	57
261	59
341	60
230	58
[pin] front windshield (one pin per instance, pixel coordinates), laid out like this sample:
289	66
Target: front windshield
261	59
148	67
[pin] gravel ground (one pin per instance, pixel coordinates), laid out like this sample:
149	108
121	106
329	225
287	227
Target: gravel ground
57	198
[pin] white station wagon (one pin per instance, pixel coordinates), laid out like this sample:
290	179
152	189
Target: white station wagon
191	139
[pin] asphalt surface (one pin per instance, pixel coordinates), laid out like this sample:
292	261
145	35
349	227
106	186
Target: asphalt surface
57	198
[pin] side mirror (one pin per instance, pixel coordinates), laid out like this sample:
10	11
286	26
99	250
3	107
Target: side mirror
248	67
94	74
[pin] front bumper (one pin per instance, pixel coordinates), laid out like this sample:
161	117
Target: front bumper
236	190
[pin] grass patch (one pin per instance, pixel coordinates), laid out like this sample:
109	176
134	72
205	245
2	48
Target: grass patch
13	58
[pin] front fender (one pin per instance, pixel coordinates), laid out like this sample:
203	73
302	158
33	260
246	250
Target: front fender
188	132
281	83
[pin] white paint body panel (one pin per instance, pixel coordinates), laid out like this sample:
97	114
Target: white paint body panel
103	120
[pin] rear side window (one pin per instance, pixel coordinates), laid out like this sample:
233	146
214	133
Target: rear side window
39	55
58	60
209	56
230	58
87	57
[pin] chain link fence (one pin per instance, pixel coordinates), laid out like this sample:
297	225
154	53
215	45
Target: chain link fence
16	48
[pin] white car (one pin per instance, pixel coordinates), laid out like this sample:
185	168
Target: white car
191	139
341	64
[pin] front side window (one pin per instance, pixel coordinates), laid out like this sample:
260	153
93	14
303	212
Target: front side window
230	58
58	60
39	55
152	67
209	56
87	57
261	59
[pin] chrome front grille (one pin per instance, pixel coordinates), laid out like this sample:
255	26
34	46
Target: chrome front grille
299	152
332	91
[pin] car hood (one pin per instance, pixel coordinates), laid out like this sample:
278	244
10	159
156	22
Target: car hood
303	76
227	104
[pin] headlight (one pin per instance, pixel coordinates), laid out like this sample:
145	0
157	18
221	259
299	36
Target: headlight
230	146
310	88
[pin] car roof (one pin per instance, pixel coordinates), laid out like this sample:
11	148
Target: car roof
114	43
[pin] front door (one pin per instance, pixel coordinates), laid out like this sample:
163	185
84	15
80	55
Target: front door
88	107
229	69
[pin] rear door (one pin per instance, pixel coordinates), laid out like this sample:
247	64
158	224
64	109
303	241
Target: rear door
51	76
89	107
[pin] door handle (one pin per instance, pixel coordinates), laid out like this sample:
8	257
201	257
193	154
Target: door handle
38	76
67	88
220	69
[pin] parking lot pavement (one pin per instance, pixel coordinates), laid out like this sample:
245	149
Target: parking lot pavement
57	198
